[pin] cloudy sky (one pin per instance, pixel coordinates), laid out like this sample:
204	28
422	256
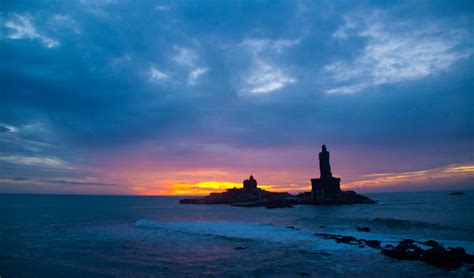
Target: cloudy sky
181	97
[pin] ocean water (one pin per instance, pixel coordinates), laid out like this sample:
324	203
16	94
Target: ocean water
105	236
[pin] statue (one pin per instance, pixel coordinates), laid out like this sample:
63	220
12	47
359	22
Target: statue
324	165
327	185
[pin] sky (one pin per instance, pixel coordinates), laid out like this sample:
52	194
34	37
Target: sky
191	97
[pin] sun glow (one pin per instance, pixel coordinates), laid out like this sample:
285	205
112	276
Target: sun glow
201	188
207	187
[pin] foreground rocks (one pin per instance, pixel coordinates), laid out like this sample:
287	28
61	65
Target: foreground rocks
408	249
351	240
363	229
436	255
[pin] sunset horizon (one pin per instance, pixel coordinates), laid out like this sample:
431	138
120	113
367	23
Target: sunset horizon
208	103
255	138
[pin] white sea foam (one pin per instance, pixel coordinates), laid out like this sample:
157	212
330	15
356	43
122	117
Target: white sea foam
238	230
249	231
279	234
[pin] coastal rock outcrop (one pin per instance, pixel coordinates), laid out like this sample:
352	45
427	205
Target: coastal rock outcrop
364	229
408	249
456	193
248	196
452	257
325	191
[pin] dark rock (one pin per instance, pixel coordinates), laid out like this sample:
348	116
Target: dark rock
456	193
322	227
249	204
471	269
406	241
303	273
373	243
406	250
469	259
239	248
432	243
460	252
364	229
436	255
452	258
346	239
340	198
278	203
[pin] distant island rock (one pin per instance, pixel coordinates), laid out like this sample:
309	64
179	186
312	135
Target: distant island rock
326	190
456	193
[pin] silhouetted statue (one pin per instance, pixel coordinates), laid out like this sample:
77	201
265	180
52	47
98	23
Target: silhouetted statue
326	186
324	165
250	184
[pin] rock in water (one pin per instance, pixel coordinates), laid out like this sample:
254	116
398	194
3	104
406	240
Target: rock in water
373	243
456	193
436	255
325	191
432	243
406	250
278	203
363	229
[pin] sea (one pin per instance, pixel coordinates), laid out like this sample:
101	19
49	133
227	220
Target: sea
131	236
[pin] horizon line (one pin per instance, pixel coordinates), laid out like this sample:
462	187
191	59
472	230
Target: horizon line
137	195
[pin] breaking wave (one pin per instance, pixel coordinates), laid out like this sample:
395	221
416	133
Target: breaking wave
238	230
395	223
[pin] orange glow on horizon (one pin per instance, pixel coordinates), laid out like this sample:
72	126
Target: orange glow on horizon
206	188
205	181
201	188
375	180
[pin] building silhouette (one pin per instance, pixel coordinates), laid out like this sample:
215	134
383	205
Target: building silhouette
250	184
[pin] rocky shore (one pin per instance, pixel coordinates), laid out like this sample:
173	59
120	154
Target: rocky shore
241	197
340	198
263	198
430	252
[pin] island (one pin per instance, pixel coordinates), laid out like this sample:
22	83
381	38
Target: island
325	190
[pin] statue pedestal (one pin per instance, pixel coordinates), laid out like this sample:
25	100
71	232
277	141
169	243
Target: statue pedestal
322	188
